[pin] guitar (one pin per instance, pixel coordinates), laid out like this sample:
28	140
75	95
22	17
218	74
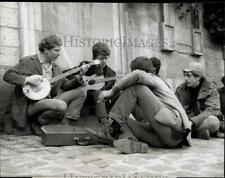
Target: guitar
96	82
41	91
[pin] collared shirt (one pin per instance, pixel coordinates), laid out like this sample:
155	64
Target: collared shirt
46	67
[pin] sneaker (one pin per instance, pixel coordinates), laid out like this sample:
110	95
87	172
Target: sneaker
203	134
130	146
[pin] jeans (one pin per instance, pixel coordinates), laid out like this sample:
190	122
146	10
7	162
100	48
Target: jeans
70	103
211	123
154	133
101	108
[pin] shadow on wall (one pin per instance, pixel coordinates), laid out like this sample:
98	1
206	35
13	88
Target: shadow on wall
6	93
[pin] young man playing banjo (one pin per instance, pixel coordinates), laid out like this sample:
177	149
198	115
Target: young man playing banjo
33	71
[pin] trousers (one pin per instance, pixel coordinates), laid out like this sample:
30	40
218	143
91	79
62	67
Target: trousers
211	123
69	103
140	99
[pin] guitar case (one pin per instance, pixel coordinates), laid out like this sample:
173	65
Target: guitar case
65	135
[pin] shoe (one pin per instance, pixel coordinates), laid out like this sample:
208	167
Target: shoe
126	133
222	126
105	121
22	131
115	129
130	146
203	134
36	129
103	135
69	121
218	134
49	116
70	117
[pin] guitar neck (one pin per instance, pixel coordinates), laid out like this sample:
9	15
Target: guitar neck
105	79
70	72
63	75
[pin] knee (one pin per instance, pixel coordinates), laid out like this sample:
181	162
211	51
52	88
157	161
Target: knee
60	106
142	88
83	93
138	89
213	124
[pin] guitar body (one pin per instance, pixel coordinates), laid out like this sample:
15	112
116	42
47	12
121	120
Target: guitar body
91	83
39	92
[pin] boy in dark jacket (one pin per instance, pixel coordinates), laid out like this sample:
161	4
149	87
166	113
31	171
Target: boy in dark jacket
101	52
200	100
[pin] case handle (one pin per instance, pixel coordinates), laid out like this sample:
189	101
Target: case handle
82	143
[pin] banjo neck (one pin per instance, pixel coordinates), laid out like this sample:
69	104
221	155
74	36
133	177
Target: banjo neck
63	75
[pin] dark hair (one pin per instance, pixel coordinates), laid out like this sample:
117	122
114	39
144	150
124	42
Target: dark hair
156	64
100	49
49	42
223	80
142	63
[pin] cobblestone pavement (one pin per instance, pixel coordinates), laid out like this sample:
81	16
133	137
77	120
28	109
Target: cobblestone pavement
26	156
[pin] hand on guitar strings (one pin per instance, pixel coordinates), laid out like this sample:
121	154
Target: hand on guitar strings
34	80
84	68
80	79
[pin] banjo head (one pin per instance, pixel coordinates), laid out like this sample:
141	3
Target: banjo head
37	92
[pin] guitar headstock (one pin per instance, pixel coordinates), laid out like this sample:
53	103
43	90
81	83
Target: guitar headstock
96	62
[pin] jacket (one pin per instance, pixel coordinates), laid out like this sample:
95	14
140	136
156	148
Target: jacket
221	92
208	102
28	66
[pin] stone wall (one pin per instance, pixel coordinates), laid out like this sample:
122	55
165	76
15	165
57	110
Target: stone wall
9	49
143	23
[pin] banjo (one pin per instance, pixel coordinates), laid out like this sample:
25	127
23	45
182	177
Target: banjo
43	89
